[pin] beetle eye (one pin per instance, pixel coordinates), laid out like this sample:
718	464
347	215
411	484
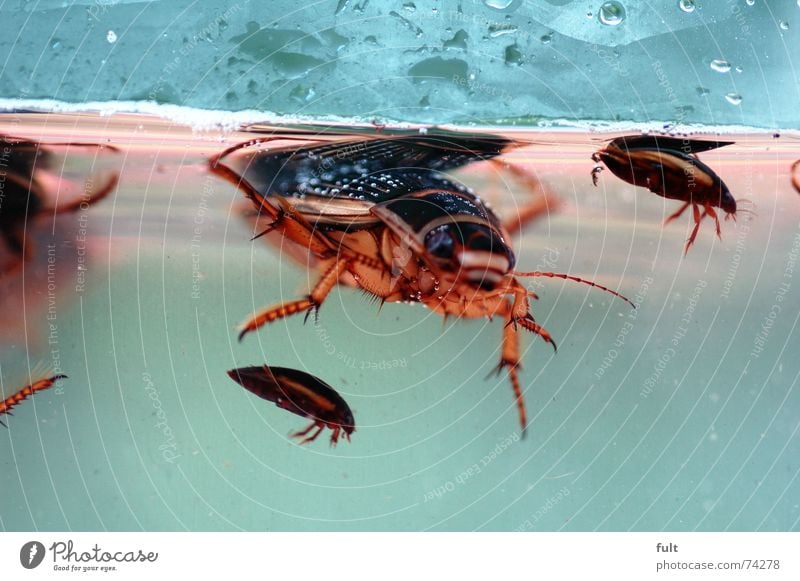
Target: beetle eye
440	244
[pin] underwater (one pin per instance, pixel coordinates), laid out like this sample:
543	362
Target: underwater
360	265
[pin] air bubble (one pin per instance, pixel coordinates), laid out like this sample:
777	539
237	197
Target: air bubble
720	65
687	5
733	98
611	13
784	25
498	4
111	37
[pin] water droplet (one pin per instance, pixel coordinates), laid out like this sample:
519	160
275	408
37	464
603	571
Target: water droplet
410	6
498	4
702	91
611	13
739	69
750	2
547	38
784	25
459	41
590	15
56	44
687	5
111	37
733	98
720	65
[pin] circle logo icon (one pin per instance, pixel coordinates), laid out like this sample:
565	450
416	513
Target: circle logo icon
31	554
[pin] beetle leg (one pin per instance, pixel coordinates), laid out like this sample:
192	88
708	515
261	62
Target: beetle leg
520	314
677	214
538	204
89	199
710	211
315	424
216	166
310	303
510	360
697	219
295	227
335	435
530	325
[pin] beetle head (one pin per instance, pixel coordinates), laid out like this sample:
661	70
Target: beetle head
726	201
453	232
476	252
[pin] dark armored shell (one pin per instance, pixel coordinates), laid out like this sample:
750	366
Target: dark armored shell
297	392
336	185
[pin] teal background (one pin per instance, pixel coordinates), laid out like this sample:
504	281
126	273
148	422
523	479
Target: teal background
149	433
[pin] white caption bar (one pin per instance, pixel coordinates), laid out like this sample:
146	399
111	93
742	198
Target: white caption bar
390	556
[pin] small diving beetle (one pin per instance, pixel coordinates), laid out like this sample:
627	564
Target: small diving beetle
300	393
378	213
669	167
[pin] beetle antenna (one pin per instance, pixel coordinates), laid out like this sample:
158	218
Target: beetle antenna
575	279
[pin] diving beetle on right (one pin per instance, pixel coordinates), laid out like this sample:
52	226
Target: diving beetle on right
379	213
669	167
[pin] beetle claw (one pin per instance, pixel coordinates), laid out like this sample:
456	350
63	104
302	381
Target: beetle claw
529	324
273	225
504	364
314	308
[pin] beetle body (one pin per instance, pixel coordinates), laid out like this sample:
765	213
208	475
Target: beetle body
23	166
382	215
22	194
302	394
670	168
